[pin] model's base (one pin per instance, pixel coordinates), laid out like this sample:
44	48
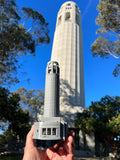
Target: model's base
50	129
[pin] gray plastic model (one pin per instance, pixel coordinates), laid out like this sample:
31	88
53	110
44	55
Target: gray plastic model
50	127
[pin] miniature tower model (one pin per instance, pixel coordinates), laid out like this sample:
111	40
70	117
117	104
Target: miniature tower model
68	52
50	127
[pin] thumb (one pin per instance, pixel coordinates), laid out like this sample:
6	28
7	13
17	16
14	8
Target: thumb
30	142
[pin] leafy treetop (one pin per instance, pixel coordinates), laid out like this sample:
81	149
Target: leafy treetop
102	118
108	42
20	32
12	115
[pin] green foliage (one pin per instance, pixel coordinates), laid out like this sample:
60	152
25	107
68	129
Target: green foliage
31	100
20	123
4	138
102	118
16	39
11	112
81	121
108	42
9	104
114	124
109	15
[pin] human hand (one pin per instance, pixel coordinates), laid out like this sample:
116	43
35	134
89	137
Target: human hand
60	151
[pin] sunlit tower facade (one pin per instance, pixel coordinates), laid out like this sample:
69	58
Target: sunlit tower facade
68	52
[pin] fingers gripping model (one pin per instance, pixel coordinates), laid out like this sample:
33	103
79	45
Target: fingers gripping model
60	151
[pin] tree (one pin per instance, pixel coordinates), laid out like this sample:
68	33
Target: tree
31	101
11	112
108	42
20	32
102	118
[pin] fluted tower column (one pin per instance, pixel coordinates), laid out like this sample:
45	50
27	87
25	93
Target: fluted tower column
51	104
68	52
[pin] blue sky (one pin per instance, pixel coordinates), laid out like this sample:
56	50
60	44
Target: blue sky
99	80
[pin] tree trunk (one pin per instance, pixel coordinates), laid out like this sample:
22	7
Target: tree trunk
115	153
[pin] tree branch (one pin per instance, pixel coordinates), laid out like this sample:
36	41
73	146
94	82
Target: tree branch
29	29
112	54
109	52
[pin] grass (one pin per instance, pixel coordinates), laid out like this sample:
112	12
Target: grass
9	158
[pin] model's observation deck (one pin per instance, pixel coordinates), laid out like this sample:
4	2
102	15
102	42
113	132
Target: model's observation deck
50	127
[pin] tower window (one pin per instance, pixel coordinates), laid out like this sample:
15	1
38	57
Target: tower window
68	4
68	7
54	131
67	16
76	7
77	19
54	70
59	19
48	131
43	131
49	70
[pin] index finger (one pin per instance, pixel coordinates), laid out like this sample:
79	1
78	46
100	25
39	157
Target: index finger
29	140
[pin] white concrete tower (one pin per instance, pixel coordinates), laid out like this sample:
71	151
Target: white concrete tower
68	52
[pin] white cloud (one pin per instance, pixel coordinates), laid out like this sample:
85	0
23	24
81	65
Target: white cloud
87	7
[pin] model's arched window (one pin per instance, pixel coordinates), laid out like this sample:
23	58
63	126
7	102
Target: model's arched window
67	16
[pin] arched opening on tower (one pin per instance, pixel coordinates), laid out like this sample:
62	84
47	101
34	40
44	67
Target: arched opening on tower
69	4
59	20
67	16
